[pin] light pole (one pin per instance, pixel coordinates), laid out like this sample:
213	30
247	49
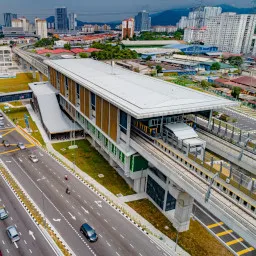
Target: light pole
208	193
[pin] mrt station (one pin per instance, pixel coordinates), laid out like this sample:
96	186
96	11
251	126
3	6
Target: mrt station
130	119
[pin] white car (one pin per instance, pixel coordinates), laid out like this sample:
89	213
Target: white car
1	116
33	158
21	145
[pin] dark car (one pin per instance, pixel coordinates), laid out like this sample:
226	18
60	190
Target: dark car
89	232
6	143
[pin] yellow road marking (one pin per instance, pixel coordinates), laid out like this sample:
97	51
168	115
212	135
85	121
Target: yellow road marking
28	139
215	225
224	232
16	149
235	241
8	132
7	129
245	251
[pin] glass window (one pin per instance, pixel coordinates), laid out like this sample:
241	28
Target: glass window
92	101
78	91
123	121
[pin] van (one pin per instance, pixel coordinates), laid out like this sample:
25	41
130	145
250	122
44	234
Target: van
13	234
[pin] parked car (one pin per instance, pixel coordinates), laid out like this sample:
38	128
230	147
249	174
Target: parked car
33	158
6	143
1	123
13	234
1	116
3	213
89	232
21	145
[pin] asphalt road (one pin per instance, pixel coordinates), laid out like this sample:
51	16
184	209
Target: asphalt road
32	241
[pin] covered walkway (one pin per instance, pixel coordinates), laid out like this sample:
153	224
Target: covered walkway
55	122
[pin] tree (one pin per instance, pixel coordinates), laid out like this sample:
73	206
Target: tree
148	58
205	84
159	69
177	35
215	66
67	47
236	61
236	91
83	55
48	55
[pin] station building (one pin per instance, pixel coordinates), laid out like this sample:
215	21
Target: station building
117	107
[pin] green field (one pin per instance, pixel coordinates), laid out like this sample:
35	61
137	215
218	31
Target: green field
20	83
18	114
91	162
197	241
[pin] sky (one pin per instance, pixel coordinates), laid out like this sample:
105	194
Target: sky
102	10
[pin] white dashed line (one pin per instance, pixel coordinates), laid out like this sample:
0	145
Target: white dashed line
3	241
114	228
79	213
100	235
121	235
85	201
79	196
91	207
16	245
67	201
98	213
25	242
131	245
105	220
7	250
73	207
158	248
30	251
61	195
108	243
117	254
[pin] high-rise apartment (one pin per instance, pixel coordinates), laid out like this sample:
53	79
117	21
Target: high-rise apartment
61	19
41	28
231	32
72	21
142	21
8	19
128	28
21	23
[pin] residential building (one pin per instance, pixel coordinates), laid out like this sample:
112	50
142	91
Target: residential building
142	21
199	17
41	28
61	19
5	57
88	28
166	29
232	32
128	28
118	27
72	21
194	34
8	19
22	23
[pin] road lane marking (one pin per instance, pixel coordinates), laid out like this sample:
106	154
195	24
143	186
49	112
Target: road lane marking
131	245
235	241
72	216
121	235
117	254
10	130
20	160
84	209
31	233
30	251
57	220
67	201
20	233
7	250
224	233
3	241
108	243
73	207
16	245
100	235
9	151
79	196
61	195
105	220
85	201
113	228
25	242
98	213
91	207
245	251
79	213
142	255
215	225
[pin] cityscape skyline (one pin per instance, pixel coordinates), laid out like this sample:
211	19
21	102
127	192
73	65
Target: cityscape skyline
98	12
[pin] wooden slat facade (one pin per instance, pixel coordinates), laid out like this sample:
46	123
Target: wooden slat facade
69	90
73	92
62	86
98	111
105	116
87	102
82	103
113	122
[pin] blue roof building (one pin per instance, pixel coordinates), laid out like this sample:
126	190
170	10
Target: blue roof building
193	48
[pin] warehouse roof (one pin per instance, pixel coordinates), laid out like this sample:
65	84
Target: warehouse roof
139	95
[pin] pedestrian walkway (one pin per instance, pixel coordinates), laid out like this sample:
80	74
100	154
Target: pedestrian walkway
134	197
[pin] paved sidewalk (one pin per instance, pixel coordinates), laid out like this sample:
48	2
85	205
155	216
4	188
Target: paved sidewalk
164	242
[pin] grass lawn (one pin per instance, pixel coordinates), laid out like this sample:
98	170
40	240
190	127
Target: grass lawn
91	162
197	241
20	83
18	113
16	103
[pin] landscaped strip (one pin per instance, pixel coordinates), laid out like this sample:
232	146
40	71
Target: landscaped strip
90	161
31	208
197	241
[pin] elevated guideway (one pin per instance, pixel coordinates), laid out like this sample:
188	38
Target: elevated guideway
190	177
14	96
38	65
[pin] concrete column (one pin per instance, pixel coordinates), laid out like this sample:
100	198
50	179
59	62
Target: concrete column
210	119
128	132
139	185
112	162
40	77
118	127
166	193
33	73
183	211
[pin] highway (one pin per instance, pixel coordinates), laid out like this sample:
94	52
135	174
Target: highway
32	241
44	182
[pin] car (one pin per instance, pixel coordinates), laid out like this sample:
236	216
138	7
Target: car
89	232
3	213
1	116
21	145
6	143
33	158
1	123
13	234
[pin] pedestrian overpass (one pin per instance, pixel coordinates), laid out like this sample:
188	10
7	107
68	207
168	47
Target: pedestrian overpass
15	96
